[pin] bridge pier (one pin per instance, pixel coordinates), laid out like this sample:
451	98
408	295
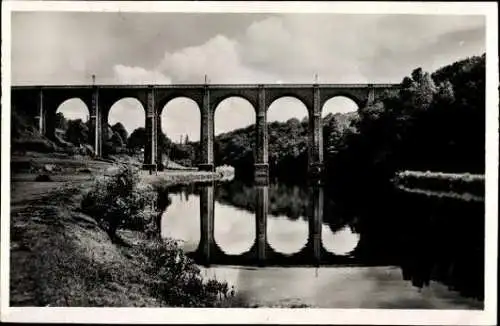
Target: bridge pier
159	144
262	203
261	165
261	174
96	132
40	117
49	125
150	148
315	173
207	134
207	223
315	151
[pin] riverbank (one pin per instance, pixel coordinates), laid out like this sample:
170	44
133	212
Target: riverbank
450	185
67	168
62	257
182	177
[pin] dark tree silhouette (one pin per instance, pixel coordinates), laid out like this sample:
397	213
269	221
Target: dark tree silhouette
77	132
120	130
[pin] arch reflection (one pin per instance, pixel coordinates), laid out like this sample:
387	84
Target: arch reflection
288	221
234	228
230	245
341	242
180	219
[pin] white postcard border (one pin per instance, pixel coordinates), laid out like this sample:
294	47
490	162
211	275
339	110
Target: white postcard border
265	315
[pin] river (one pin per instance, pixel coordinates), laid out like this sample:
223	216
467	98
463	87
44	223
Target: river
293	246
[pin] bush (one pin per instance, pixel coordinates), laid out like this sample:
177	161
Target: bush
120	200
178	281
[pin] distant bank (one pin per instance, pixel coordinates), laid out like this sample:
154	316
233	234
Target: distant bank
65	167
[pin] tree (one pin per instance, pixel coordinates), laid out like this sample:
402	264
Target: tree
117	141
445	95
164	143
423	127
331	135
120	201
120	129
60	121
77	132
137	139
424	93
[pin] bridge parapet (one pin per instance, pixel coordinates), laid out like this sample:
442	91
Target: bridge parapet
210	86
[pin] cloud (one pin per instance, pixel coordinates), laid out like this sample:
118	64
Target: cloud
349	48
218	58
129	111
137	75
296	47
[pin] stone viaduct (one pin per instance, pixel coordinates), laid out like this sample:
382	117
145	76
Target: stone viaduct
42	102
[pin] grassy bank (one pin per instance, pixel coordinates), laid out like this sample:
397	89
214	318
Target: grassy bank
68	167
181	177
455	183
61	256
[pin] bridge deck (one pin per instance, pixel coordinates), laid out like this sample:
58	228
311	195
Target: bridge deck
211	86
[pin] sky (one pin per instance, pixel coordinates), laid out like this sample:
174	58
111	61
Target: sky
146	48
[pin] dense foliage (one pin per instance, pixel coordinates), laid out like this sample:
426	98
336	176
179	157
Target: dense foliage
435	123
178	280
291	201
120	200
77	132
287	146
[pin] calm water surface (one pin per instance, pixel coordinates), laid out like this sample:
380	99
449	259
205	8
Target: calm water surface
366	262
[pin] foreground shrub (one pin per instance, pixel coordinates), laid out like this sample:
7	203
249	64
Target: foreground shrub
120	200
178	280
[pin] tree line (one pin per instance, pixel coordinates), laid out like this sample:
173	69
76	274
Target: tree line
435	123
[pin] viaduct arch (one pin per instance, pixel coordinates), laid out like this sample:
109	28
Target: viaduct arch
41	103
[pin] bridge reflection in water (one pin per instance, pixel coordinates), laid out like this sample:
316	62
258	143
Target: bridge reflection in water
406	238
261	253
